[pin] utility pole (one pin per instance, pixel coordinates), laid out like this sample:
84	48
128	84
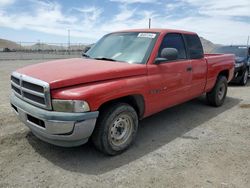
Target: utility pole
39	44
69	41
149	23
248	40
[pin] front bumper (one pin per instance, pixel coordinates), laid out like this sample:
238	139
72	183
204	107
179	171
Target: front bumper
58	128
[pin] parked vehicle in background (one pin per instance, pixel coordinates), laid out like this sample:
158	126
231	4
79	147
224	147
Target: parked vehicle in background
242	62
6	50
126	76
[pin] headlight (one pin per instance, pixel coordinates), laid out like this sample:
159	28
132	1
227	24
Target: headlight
238	65
70	105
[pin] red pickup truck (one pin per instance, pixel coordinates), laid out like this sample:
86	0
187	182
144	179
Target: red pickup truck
125	77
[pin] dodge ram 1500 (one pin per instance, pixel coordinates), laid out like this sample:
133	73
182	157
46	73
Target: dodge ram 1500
125	77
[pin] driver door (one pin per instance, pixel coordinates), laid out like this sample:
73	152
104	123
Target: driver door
170	81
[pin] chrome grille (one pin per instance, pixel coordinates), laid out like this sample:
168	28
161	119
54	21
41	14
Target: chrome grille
32	90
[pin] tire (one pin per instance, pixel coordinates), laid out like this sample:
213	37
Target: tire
116	129
244	78
218	94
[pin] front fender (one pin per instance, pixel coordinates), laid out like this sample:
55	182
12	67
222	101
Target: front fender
99	93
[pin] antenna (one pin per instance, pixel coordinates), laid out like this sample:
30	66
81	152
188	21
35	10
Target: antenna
149	23
69	41
248	40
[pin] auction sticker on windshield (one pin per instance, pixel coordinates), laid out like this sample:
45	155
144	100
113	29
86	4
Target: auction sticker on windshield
147	35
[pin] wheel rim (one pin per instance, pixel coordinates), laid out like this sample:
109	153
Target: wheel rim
222	90
121	130
245	77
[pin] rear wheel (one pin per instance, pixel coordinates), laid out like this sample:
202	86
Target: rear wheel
244	78
116	129
218	94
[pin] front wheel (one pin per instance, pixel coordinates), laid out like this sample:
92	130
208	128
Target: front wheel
218	94
116	129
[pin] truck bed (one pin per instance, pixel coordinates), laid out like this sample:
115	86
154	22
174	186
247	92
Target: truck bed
217	63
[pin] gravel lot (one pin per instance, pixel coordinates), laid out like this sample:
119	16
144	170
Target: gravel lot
190	145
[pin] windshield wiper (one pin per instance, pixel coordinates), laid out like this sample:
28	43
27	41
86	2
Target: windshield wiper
85	55
104	58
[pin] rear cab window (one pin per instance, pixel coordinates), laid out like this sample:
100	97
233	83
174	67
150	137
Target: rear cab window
194	46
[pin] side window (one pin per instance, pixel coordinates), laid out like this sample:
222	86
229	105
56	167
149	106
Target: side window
194	46
173	40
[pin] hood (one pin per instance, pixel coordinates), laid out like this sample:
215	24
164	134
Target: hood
69	72
239	59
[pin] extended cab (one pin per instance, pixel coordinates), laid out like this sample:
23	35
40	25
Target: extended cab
124	77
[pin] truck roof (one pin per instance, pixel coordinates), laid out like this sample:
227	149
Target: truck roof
158	30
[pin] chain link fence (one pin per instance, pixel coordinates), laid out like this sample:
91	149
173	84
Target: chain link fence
38	50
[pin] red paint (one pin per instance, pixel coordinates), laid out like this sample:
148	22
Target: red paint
68	72
161	86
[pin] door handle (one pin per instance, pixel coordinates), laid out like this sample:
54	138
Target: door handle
189	69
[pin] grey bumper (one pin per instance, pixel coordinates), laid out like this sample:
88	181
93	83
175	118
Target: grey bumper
58	128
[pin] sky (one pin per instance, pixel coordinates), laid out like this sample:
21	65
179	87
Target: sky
220	21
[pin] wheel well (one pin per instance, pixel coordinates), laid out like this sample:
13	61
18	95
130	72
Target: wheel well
136	101
224	73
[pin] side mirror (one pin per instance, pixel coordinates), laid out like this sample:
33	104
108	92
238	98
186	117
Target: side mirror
167	54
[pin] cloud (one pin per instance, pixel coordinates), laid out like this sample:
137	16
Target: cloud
215	21
133	1
89	15
47	17
172	6
4	3
222	8
221	31
124	14
220	21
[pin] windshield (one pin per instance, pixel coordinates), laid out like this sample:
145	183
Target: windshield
130	47
237	50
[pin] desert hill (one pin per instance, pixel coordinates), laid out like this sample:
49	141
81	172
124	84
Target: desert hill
207	45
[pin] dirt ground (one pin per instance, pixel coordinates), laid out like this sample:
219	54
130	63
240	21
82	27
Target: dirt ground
190	145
